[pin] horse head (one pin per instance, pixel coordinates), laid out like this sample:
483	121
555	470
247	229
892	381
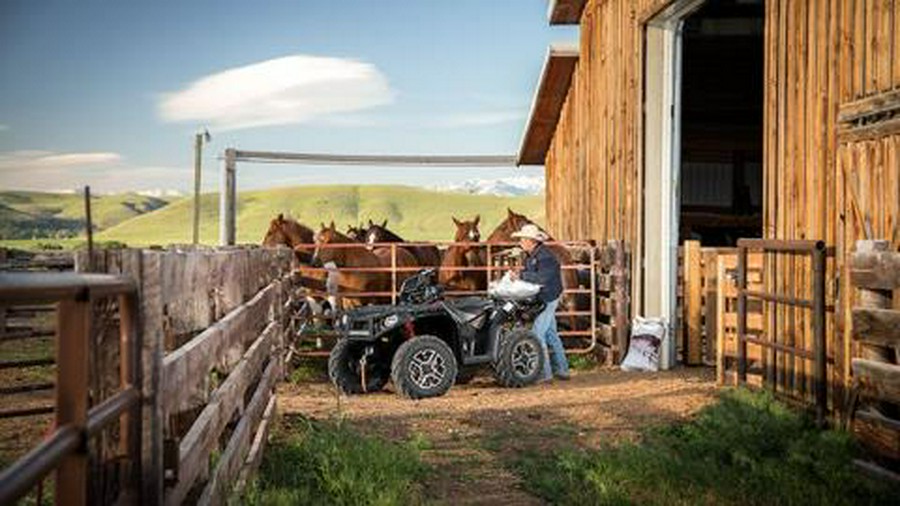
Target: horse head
288	232
379	233
467	231
276	235
357	233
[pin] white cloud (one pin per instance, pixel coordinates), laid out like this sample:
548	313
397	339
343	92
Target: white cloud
483	118
292	89
27	161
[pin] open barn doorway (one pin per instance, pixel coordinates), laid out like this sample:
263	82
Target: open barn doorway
722	123
702	139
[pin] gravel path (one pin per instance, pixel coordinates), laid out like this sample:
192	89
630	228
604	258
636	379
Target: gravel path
475	428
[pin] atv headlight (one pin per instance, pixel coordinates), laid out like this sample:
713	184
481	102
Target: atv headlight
391	320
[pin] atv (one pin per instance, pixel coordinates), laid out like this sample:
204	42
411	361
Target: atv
425	343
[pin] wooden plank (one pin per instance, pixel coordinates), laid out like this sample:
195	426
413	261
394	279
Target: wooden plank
877	379
693	329
204	433
869	106
876	270
710	308
254	455
72	381
151	300
220	346
721	282
881	326
235	454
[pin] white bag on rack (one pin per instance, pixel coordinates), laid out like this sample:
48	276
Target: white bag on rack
510	289
647	335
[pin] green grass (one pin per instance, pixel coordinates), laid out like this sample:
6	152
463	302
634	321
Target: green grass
745	449
413	213
34	215
329	463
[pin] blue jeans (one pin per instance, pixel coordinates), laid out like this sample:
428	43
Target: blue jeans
545	329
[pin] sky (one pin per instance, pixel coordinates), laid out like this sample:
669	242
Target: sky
110	94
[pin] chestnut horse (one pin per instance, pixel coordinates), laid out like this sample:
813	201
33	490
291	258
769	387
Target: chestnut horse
513	223
358	234
290	233
350	282
360	257
427	256
464	256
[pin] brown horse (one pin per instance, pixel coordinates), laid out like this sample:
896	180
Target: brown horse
349	282
464	256
427	256
513	223
358	234
290	233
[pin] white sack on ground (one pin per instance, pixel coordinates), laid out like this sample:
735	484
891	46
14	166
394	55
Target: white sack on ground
647	335
509	289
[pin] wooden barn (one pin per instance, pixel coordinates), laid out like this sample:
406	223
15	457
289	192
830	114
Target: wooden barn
714	120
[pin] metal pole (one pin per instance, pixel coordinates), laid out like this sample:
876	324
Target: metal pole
393	273
821	363
89	227
742	315
227	200
198	146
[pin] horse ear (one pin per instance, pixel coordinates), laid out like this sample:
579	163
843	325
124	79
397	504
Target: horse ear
280	216
477	219
510	212
384	225
323	225
332	225
458	224
370	222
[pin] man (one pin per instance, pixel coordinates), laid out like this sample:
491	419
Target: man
542	268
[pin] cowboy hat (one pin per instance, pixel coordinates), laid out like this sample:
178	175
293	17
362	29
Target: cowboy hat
531	231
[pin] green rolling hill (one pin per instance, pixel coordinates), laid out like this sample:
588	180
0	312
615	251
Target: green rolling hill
26	215
414	213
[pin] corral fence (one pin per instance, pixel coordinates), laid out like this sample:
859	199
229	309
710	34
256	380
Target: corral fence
874	406
211	350
595	319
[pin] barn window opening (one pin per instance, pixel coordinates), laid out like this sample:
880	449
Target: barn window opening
721	107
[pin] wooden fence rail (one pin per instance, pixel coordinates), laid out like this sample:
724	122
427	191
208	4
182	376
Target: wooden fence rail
875	272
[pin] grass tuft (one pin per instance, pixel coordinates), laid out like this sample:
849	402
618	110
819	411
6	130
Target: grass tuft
314	462
745	449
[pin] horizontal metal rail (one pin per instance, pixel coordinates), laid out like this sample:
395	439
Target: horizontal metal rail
33	287
23	412
376	160
32	362
21	389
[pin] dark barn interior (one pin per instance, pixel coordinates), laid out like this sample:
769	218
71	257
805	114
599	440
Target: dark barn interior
722	123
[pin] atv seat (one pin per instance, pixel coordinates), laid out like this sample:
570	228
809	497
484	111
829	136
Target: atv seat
468	311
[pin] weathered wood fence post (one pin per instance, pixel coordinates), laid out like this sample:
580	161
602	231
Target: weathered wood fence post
228	200
876	326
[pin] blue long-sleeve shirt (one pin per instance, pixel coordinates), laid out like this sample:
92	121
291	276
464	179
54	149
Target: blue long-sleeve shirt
542	268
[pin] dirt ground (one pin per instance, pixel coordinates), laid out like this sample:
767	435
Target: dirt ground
474	429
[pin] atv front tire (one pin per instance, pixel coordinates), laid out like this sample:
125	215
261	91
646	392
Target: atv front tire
520	361
345	369
423	367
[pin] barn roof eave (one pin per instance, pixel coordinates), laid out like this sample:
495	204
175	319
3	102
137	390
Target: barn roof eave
565	12
551	92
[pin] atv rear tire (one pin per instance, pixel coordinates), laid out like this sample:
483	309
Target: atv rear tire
423	367
344	369
520	361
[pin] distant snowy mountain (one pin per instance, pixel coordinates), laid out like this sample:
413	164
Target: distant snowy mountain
161	193
505	187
